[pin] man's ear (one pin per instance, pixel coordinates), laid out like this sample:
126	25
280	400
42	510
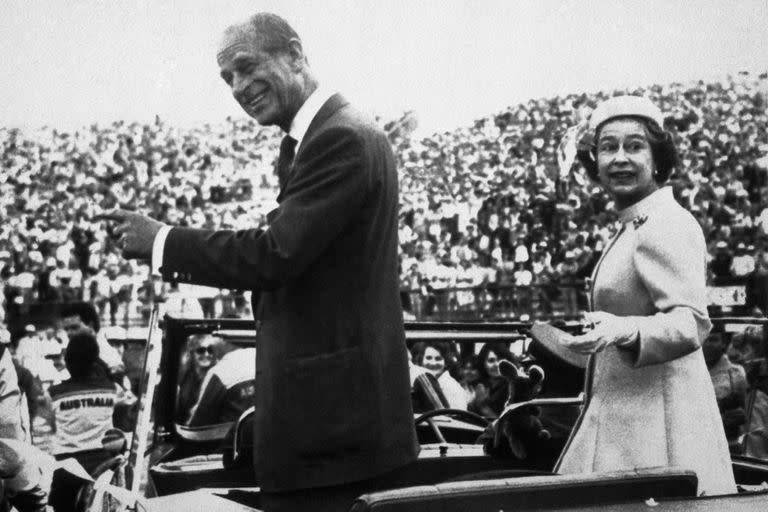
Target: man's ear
296	53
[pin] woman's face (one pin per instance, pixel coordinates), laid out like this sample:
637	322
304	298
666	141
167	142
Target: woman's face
204	356
469	372
492	364
433	361
624	161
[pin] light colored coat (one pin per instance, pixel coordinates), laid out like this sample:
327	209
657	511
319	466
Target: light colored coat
654	406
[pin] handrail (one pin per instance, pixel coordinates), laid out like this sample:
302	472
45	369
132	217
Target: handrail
739	320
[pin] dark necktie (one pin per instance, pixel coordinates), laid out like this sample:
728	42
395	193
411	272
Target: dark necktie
285	160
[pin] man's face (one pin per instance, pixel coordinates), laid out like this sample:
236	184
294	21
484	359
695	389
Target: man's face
266	85
72	324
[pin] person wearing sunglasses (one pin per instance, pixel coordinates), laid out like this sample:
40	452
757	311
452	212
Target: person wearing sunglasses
202	353
227	390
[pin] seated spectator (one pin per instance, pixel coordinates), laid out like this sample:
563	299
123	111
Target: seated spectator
470	377
426	394
181	305
720	265
227	390
747	348
78	316
203	351
32	396
730	383
743	263
83	405
29	349
433	355
12	413
492	390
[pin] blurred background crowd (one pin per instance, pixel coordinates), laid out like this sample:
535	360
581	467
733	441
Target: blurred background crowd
495	218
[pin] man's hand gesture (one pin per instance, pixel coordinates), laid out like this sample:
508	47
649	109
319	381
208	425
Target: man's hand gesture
135	232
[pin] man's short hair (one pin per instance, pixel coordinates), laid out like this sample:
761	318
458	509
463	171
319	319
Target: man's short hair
275	31
85	311
82	353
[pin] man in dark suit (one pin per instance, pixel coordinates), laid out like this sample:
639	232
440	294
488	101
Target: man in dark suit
333	416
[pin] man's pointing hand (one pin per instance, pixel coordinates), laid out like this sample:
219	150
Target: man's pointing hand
135	232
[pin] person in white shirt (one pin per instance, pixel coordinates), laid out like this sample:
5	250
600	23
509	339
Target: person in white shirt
743	263
434	356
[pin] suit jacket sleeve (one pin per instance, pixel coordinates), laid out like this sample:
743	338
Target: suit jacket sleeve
670	259
328	188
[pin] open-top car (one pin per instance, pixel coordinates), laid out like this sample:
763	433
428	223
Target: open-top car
175	465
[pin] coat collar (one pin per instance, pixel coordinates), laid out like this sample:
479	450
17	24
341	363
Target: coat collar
307	113
334	103
659	199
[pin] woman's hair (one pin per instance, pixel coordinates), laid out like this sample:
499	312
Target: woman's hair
421	347
194	342
501	350
662	145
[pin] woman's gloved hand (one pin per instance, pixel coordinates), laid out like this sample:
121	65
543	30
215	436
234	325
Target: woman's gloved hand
608	330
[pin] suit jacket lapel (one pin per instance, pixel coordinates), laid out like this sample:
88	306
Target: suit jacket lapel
330	106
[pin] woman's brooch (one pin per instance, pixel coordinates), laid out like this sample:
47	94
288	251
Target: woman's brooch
639	220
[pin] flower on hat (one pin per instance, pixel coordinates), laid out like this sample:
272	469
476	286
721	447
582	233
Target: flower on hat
639	220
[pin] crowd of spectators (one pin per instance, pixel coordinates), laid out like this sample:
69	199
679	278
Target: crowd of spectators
502	203
495	205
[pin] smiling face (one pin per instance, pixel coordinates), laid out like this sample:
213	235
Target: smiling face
625	162
469	372
204	355
266	83
492	364
433	361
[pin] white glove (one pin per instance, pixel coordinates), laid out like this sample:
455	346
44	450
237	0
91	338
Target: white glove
609	330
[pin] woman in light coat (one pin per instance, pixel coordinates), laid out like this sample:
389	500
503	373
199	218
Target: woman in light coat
650	399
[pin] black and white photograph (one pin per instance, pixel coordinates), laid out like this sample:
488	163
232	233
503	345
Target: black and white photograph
383	256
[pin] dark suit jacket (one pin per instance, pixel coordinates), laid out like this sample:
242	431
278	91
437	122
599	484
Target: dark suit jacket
332	386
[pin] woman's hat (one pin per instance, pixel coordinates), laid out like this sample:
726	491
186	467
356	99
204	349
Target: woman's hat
621	106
